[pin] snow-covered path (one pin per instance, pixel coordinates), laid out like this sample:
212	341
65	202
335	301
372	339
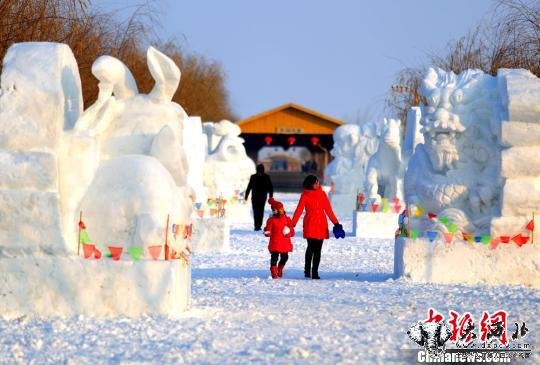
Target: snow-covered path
355	315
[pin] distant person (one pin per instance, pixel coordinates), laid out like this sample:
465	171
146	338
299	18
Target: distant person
317	206
261	185
280	230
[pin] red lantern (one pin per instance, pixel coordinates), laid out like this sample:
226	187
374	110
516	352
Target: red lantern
315	140
267	140
291	140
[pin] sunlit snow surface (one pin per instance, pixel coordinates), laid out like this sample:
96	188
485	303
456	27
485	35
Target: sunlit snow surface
355	315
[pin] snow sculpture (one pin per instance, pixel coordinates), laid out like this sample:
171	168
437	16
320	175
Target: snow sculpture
121	163
353	145
127	123
455	172
384	175
227	168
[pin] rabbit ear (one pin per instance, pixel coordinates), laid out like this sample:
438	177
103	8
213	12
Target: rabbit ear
165	73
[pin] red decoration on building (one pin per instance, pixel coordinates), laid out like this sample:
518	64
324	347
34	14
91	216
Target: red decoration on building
267	140
291	140
315	140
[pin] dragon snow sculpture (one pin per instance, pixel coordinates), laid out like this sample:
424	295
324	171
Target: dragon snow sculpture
455	173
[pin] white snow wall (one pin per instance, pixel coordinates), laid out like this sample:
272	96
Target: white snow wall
520	155
39	97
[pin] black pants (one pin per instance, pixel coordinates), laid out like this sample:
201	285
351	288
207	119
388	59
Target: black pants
313	254
274	257
257	204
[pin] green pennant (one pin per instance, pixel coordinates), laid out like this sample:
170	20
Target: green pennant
84	237
414	233
385	208
452	228
444	220
486	239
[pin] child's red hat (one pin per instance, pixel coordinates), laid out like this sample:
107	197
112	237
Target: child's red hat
274	204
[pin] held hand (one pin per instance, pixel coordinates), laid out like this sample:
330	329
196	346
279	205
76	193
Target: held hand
286	230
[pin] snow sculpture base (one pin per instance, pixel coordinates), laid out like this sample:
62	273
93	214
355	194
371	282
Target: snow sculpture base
461	263
67	286
210	235
343	204
375	224
238	213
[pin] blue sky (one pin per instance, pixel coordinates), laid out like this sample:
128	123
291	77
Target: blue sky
337	57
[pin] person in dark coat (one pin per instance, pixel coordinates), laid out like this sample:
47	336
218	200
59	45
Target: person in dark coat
317	206
261	185
280	230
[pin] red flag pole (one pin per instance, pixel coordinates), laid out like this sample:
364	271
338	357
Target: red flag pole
79	241
167	239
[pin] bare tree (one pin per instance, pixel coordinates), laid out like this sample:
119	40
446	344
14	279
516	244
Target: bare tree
511	39
92	32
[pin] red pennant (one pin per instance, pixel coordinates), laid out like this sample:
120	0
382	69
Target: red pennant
395	200
520	240
431	215
374	207
467	236
82	225
267	140
448	237
530	225
505	239
495	243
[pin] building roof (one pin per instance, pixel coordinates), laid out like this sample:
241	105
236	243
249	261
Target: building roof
293	106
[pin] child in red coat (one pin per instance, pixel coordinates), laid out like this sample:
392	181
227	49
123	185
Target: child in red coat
280	230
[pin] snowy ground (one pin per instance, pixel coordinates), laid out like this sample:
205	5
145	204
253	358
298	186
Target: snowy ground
355	315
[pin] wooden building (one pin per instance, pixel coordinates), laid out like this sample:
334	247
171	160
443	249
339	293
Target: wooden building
290	140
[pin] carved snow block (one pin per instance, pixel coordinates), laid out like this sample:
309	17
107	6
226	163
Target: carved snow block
462	263
68	286
210	235
343	204
31	170
41	95
520	94
375	224
509	226
30	223
521	162
520	196
520	133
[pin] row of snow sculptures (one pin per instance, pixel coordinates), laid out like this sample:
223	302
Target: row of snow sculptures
121	162
477	174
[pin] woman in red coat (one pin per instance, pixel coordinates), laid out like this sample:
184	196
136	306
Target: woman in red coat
317	206
280	230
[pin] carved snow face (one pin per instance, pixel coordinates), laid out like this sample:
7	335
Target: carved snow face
441	128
